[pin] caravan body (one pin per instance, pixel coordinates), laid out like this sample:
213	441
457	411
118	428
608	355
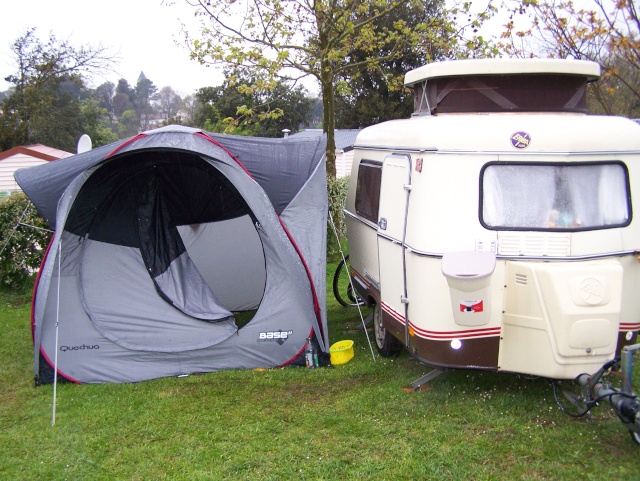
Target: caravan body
495	228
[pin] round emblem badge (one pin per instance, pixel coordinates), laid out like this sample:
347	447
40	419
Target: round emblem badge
592	291
520	140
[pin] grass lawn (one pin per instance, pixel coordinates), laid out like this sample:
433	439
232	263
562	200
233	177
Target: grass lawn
356	421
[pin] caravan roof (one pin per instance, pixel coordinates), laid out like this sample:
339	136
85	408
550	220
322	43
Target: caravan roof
502	85
503	66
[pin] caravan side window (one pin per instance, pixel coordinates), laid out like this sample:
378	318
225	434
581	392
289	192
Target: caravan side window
567	197
368	190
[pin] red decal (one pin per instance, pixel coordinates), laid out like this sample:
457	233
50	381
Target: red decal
471	306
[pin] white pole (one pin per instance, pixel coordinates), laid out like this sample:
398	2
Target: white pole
364	325
55	357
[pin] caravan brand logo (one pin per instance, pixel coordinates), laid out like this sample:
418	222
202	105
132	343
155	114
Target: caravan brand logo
520	140
274	336
471	306
78	348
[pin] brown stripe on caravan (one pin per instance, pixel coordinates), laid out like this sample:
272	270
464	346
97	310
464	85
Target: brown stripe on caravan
481	353
474	353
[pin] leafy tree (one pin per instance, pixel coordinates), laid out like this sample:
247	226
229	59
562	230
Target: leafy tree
215	104
605	32
168	102
190	106
376	94
294	103
299	38
123	98
12	129
129	124
44	105
249	111
104	95
59	119
96	123
145	93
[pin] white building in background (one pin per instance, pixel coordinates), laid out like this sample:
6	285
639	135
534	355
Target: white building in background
21	157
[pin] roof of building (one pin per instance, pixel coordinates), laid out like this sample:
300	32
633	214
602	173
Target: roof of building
37	151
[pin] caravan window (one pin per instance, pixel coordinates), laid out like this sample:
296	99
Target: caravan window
555	196
368	190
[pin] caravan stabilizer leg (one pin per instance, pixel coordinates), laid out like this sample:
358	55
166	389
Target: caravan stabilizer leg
596	388
430	376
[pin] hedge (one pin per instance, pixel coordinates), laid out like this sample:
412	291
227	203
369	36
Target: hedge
337	191
24	237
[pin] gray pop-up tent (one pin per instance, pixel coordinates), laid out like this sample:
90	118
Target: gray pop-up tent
179	251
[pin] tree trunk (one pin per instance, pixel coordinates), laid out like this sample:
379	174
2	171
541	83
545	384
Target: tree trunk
328	124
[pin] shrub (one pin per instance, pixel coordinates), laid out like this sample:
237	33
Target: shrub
24	236
337	191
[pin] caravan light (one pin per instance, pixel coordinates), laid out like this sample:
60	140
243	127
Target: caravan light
456	344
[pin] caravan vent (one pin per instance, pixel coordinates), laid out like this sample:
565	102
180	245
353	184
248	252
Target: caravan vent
547	244
521	279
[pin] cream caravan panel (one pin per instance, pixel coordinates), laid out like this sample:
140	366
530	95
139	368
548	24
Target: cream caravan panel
363	249
362	226
597	242
443	213
560	319
431	312
394	196
630	313
631	234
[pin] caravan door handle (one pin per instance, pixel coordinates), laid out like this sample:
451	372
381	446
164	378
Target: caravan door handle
382	223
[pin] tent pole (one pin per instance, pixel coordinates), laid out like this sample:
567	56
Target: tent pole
15	227
55	361
364	324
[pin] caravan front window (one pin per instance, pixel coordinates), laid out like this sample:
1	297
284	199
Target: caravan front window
566	197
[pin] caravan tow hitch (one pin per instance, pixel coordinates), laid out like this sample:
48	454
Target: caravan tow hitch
597	388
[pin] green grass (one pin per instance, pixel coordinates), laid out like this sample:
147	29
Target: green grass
355	421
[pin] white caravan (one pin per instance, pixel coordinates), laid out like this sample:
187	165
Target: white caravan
495	228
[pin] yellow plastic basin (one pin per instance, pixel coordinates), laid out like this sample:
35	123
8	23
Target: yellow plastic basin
341	352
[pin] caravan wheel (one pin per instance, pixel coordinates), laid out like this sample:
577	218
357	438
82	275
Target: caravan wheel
387	344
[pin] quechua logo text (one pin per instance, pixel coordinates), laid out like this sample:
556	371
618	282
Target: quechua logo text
83	347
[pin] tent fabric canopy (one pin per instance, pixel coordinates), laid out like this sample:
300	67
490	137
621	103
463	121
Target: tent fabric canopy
161	239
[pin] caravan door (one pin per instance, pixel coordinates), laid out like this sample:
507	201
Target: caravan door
392	223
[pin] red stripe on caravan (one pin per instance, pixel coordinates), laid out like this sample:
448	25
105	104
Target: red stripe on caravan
450	335
466	332
443	335
393	313
630	326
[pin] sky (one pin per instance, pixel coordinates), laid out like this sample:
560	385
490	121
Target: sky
141	32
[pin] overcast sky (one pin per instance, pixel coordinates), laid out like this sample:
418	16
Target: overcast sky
141	32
